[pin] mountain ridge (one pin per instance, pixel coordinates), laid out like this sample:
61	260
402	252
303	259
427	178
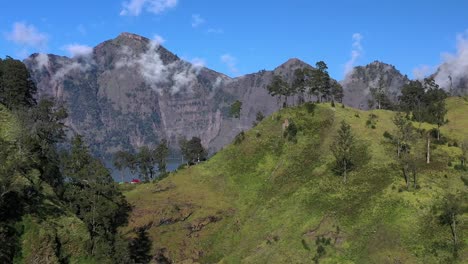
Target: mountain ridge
131	91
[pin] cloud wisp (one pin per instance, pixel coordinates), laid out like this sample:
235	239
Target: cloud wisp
356	53
78	50
27	36
231	62
162	77
136	7
454	67
197	20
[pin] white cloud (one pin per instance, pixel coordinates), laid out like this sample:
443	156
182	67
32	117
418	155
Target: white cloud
27	35
136	7
172	78
230	62
454	67
76	50
42	60
67	68
422	71
198	62
356	53
158	40
197	20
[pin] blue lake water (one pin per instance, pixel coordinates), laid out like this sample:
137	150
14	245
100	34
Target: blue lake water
172	165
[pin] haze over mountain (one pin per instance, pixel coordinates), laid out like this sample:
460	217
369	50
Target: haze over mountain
130	91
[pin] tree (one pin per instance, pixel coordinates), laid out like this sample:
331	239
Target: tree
337	92
94	197
258	118
145	162
404	139
464	155
140	247
324	88
412	99
192	150
123	160
343	149
16	86
451	210
162	151
436	108
236	108
278	87
43	127
300	83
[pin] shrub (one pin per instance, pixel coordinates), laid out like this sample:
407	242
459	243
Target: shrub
310	107
290	132
239	138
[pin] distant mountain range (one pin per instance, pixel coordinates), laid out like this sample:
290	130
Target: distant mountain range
131	91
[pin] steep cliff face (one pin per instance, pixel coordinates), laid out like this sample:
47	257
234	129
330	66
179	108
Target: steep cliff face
131	91
357	84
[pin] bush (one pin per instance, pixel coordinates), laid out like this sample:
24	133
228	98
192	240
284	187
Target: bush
387	135
290	132
310	107
239	138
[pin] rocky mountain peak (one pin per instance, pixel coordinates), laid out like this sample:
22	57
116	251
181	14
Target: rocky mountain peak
358	83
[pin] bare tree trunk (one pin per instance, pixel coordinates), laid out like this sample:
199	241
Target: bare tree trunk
454	231
438	133
345	171
415	179
428	151
405	174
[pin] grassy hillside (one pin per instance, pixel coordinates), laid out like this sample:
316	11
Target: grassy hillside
48	233
270	200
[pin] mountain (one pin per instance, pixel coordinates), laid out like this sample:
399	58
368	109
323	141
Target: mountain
453	77
131	91
361	79
268	199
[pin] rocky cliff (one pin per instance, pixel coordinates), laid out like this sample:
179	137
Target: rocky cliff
131	91
361	79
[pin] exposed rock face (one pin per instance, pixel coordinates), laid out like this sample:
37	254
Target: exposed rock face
131	92
358	83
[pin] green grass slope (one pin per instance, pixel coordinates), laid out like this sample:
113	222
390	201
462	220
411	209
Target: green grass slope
269	200
53	234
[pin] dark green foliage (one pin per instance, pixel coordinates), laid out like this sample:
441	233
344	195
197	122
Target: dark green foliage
16	87
320	242
426	102
162	151
140	247
404	140
291	131
239	138
236	108
280	88
347	153
144	161
43	128
372	121
387	135
451	210
310	107
192	150
258	118
94	197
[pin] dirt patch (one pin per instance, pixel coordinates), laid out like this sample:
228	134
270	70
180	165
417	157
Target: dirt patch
328	228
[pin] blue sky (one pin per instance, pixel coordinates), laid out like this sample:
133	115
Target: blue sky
239	37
